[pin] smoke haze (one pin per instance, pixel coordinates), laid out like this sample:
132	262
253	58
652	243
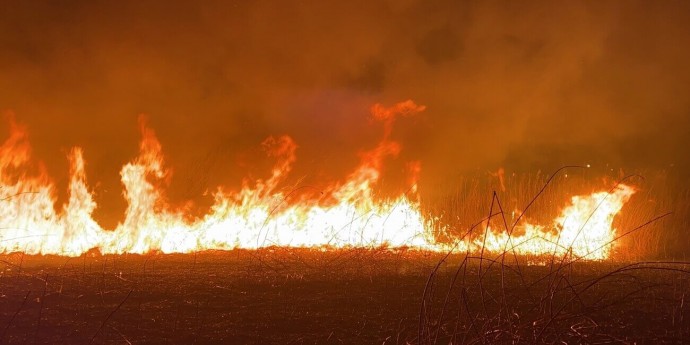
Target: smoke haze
525	85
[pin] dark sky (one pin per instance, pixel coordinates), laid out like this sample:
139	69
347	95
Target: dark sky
521	84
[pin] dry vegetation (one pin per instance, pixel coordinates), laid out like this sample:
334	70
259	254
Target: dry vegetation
275	296
292	296
560	303
498	299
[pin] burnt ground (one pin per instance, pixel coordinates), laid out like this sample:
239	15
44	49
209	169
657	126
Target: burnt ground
282	296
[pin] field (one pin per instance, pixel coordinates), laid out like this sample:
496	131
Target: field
378	295
362	296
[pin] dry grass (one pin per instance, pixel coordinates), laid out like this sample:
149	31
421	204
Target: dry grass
497	299
356	296
272	296
561	303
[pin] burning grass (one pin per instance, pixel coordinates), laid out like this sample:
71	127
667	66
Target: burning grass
379	295
565	298
344	214
653	224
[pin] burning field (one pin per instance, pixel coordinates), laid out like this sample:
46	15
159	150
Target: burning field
342	215
270	265
403	172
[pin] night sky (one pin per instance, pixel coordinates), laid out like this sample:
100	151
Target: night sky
524	85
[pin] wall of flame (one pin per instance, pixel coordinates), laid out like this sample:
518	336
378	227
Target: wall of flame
261	214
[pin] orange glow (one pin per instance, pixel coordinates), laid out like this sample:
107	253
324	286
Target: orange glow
260	214
583	229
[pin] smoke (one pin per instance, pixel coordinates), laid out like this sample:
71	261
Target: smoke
526	85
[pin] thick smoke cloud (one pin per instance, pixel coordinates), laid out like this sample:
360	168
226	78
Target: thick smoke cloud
528	85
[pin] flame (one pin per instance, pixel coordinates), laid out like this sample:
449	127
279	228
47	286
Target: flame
583	229
260	214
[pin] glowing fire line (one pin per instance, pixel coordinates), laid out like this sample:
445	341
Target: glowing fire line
258	215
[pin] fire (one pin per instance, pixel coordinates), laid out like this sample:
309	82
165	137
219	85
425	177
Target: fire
260	214
583	229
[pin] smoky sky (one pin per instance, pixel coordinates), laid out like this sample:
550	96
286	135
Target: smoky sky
521	84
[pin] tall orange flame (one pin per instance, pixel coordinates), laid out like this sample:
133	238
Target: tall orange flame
259	215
